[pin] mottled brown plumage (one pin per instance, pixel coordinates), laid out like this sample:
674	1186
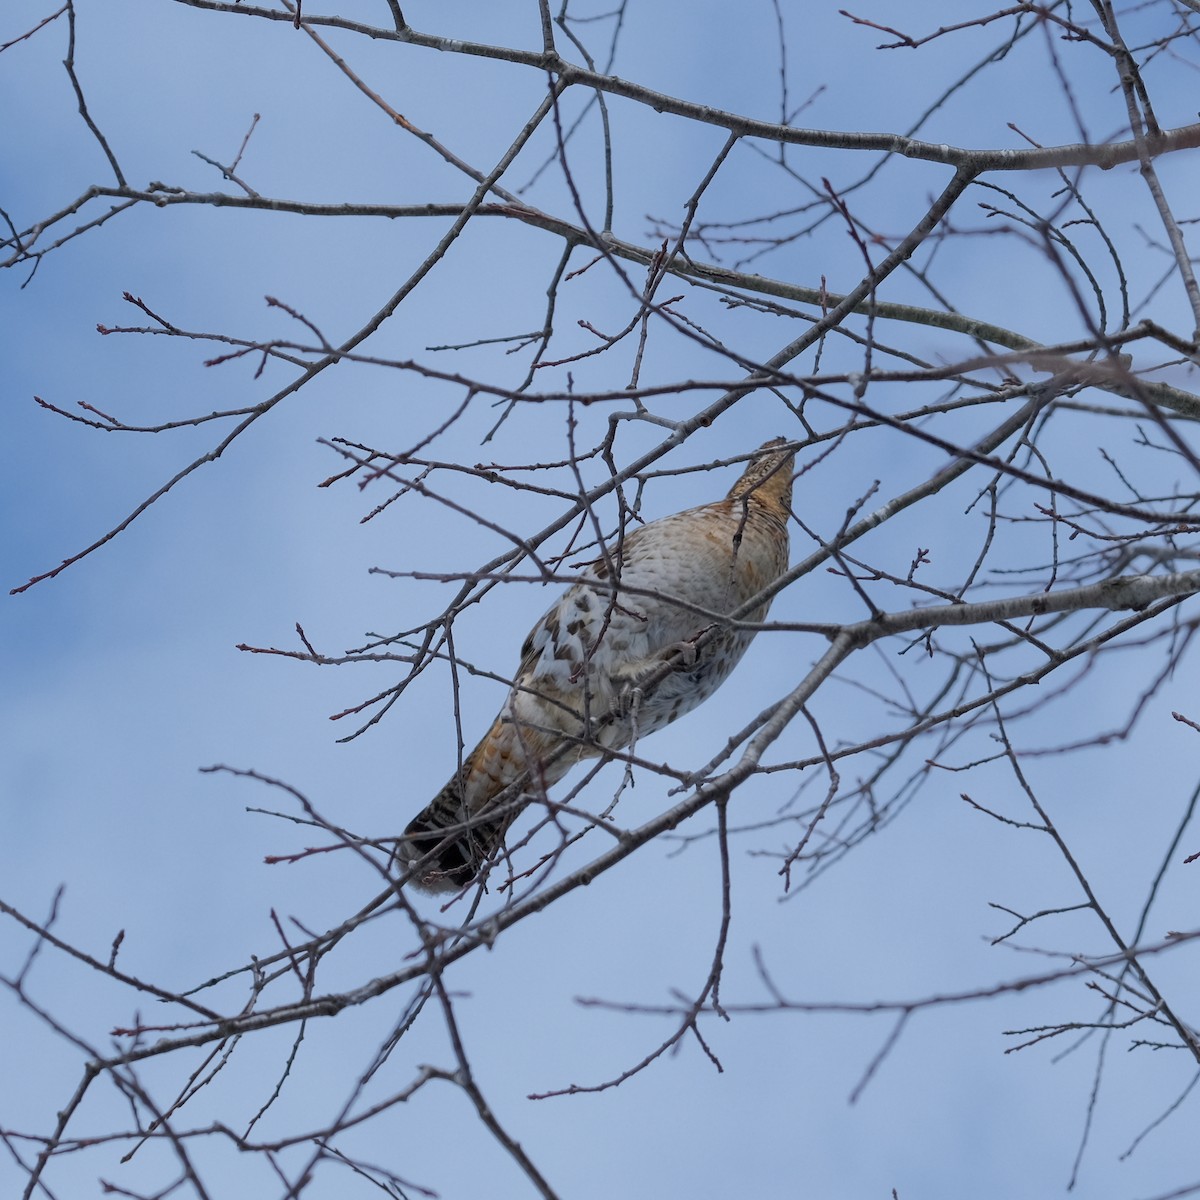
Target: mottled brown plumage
579	688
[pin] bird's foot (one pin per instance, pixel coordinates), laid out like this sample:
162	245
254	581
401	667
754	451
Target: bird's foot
684	655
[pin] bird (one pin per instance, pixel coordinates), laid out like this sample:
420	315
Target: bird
618	656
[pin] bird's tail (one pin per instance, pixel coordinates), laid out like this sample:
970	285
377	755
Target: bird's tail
448	842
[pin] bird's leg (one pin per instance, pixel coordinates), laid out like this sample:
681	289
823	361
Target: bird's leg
627	692
684	655
630	679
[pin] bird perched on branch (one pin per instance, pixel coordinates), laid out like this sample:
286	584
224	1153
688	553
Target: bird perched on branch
642	637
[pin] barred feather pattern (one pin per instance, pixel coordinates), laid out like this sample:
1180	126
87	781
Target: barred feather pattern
578	690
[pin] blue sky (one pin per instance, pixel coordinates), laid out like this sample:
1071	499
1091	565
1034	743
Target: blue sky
121	677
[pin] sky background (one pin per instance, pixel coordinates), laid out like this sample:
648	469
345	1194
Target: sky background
120	679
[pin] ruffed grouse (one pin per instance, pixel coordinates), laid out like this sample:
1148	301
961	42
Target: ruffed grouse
578	690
